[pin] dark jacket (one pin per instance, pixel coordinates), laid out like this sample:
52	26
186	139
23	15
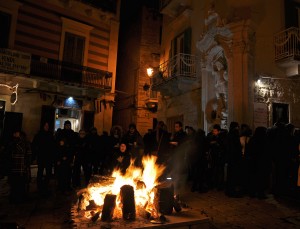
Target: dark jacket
43	147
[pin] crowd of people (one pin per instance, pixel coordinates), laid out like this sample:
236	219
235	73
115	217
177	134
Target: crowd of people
237	161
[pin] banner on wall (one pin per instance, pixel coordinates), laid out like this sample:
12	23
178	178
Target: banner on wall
260	115
15	61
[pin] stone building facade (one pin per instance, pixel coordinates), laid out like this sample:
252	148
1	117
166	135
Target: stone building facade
224	61
139	49
58	62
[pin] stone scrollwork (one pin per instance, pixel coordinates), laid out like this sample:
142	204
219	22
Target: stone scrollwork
215	45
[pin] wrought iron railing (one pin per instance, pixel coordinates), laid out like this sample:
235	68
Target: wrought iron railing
287	44
71	73
16	62
180	66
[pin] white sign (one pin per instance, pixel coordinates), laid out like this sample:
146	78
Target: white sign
260	115
15	61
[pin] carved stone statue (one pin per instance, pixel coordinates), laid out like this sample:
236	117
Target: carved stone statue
212	45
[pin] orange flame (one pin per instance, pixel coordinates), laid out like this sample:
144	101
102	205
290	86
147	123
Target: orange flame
142	180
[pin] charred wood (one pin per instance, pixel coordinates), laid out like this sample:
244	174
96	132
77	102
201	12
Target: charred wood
108	207
128	202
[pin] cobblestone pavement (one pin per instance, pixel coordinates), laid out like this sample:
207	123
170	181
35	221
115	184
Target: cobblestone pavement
245	212
224	212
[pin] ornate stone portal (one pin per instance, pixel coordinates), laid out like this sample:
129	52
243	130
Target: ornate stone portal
213	47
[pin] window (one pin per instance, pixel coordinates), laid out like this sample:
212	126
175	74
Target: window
8	21
75	35
73	49
181	43
5	23
291	13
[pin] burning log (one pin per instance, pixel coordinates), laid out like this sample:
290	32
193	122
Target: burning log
177	206
108	207
164	198
92	205
128	202
95	216
143	212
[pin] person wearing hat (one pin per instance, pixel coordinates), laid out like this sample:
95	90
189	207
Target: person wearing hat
68	137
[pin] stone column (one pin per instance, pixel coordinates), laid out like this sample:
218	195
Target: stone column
241	71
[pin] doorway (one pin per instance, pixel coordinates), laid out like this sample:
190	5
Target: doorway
280	113
63	114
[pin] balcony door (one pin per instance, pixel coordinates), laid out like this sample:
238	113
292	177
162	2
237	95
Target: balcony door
73	55
181	44
5	23
292	18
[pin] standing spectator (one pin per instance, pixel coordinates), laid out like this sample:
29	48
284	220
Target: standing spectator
94	144
43	149
82	160
160	143
245	136
178	150
234	159
292	150
216	157
191	149
199	163
260	163
64	161
19	167
116	135
147	139
66	142
133	139
106	144
278	145
69	137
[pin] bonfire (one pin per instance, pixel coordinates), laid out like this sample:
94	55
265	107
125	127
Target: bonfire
105	196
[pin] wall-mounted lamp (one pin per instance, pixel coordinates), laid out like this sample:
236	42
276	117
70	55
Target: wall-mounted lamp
150	72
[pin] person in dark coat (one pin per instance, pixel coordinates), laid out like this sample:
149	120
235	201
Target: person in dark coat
234	160
259	159
160	143
134	141
198	161
64	160
94	144
121	159
147	139
107	145
82	160
43	149
216	157
177	155
19	162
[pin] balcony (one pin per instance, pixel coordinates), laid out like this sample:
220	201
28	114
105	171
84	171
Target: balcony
287	50
173	7
20	63
71	74
175	75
